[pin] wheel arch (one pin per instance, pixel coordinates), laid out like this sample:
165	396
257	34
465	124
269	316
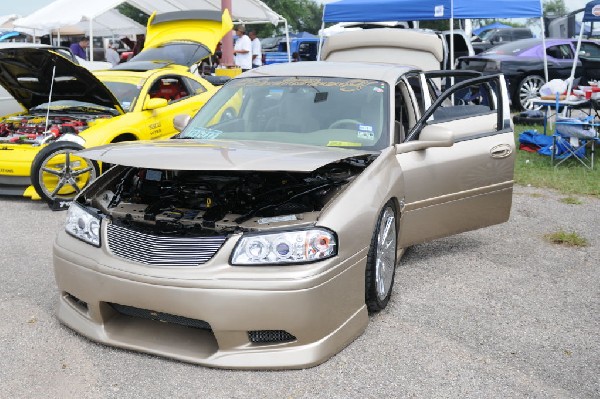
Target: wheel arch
124	137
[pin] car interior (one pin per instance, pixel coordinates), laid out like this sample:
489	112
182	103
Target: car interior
169	88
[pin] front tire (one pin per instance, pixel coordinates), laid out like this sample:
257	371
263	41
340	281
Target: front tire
528	89
58	174
381	260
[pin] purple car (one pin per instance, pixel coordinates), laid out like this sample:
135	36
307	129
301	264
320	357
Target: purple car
522	64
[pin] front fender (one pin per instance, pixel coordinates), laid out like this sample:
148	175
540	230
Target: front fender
379	182
105	133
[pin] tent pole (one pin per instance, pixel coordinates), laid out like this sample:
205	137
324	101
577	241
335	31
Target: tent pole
452	37
287	39
321	34
572	76
544	40
91	39
227	58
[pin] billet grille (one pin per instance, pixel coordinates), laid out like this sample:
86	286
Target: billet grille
161	250
160	316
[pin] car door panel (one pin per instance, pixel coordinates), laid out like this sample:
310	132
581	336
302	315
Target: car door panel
462	187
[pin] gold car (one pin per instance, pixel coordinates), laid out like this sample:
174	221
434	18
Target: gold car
264	240
69	108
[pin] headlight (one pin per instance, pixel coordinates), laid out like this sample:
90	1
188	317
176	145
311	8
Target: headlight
83	225
299	246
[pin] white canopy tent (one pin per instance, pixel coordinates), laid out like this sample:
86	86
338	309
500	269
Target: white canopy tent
110	23
62	13
7	23
8	18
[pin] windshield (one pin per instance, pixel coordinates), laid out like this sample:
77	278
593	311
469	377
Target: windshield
485	35
74	106
178	53
326	112
126	93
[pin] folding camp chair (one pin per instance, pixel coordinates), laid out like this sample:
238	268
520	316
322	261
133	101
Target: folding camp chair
572	138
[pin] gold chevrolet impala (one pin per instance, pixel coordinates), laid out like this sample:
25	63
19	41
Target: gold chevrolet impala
263	238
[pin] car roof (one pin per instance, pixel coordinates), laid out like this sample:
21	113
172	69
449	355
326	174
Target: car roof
350	70
419	47
4	45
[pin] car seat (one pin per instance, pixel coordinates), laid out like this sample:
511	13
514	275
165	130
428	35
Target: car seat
170	90
295	114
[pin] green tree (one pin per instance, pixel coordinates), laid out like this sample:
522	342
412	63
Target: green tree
134	13
555	8
301	15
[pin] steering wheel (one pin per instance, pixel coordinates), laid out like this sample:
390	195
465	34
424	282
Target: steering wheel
342	122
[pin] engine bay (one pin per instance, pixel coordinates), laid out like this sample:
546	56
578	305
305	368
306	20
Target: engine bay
33	129
216	203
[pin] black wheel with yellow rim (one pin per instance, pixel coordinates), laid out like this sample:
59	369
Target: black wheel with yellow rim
58	173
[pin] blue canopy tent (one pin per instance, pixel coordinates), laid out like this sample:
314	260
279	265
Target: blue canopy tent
495	25
302	35
591	14
424	10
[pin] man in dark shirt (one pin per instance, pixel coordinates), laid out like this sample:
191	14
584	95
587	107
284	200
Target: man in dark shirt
79	48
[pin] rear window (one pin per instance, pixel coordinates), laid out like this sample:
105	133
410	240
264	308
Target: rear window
472	64
522	34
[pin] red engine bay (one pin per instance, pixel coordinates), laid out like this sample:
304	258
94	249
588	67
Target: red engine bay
33	129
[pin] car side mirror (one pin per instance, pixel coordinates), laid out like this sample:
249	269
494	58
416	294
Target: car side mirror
181	121
155	103
431	136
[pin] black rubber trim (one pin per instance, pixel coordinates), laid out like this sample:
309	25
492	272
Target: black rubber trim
206	15
481	135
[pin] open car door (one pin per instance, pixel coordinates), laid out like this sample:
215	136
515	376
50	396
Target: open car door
458	162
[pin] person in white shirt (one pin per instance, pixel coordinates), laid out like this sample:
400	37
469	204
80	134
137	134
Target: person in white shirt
111	54
256	50
243	49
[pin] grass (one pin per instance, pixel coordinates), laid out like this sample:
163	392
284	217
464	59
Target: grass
571	201
567	239
569	178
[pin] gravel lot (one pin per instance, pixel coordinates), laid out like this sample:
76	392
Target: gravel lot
493	313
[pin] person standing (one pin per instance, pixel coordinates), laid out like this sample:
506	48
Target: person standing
242	49
112	55
79	48
256	49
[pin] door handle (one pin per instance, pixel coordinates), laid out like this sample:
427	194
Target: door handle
501	151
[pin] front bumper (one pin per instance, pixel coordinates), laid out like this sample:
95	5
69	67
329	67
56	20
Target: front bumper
15	167
322	312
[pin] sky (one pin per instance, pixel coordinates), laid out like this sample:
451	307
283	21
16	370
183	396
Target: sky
26	7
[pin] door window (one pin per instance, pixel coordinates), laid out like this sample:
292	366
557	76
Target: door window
560	52
171	88
473	97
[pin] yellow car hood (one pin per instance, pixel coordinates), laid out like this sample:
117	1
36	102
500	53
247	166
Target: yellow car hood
198	26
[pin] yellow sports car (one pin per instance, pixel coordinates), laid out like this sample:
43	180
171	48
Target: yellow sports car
69	108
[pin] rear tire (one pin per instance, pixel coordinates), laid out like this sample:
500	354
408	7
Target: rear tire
528	89
58	174
381	260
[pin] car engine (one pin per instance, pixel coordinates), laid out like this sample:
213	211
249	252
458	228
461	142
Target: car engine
215	203
32	129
